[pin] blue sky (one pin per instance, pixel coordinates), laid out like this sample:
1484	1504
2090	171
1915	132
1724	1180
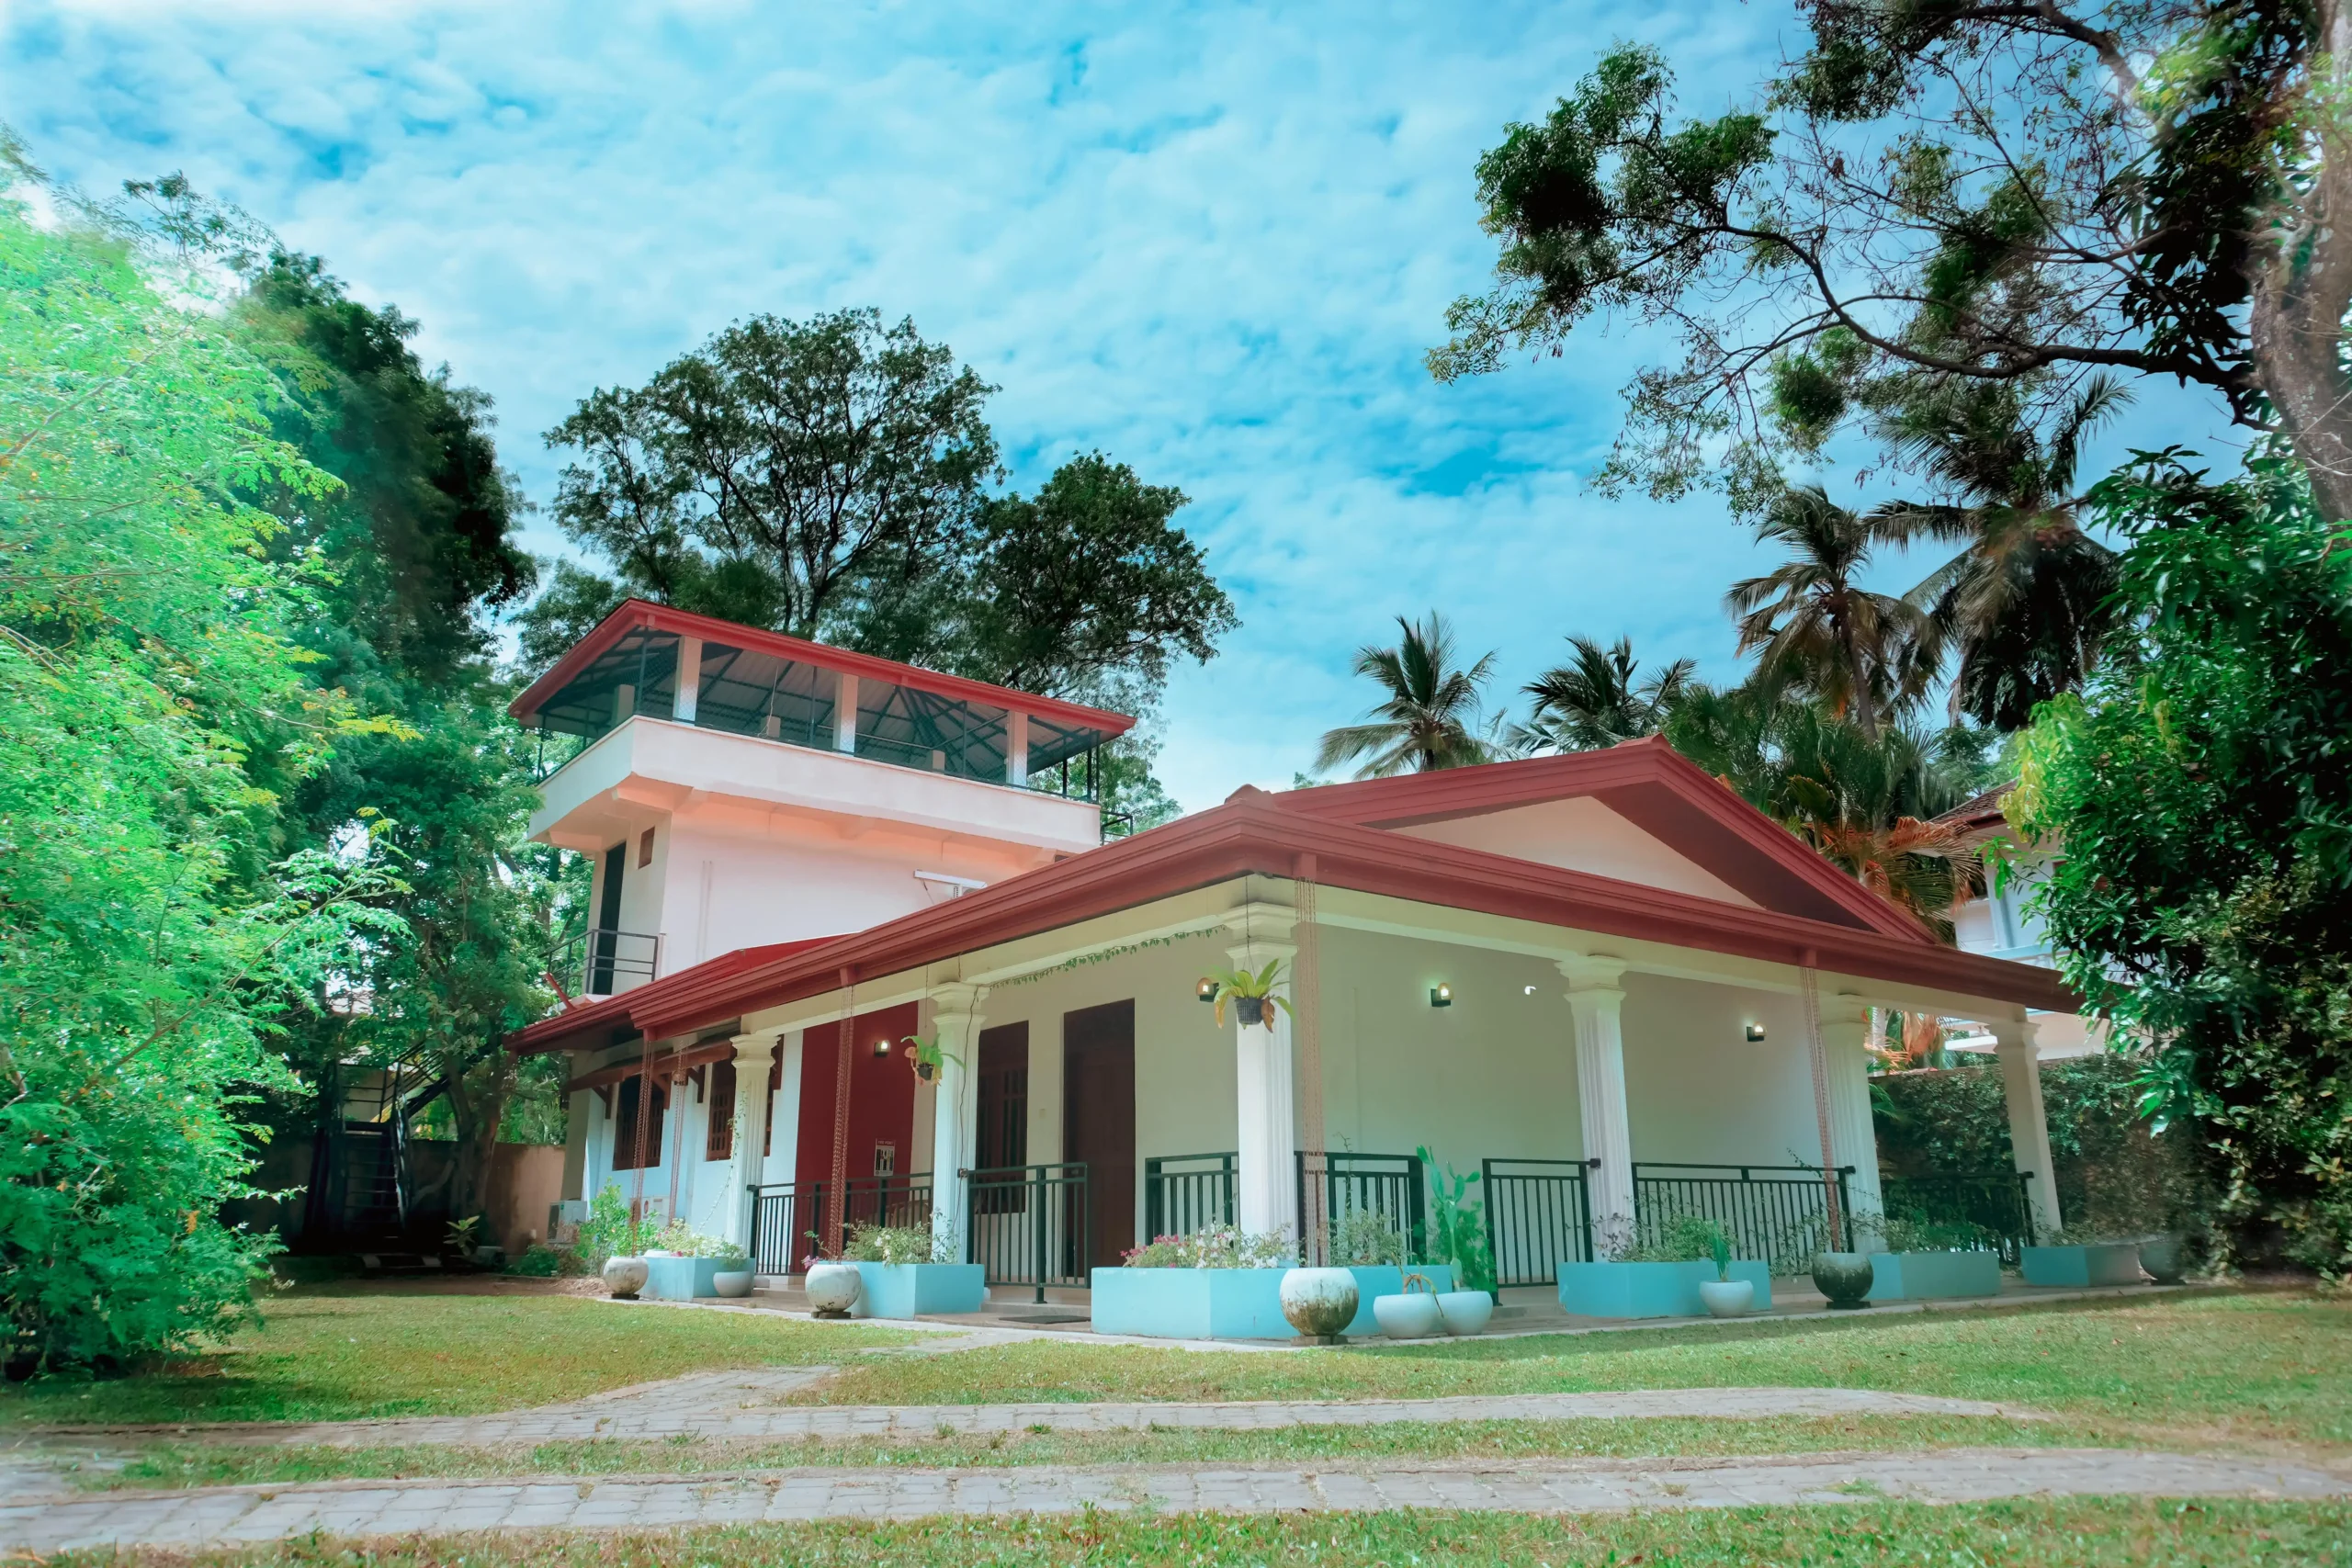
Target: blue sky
1210	240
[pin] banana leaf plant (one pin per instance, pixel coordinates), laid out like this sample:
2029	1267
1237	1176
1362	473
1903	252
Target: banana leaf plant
1457	1227
1250	994
927	1057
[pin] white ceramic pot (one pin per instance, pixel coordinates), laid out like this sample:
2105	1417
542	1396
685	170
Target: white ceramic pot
1728	1298
733	1281
1465	1312
833	1288
624	1277
1319	1302
1414	1315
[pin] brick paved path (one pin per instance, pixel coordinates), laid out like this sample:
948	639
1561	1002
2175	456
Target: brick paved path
228	1515
744	1405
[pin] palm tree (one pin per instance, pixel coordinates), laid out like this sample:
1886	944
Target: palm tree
1428	717
1864	654
2028	601
1595	700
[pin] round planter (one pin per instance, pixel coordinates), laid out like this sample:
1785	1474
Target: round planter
1729	1298
733	1281
1845	1278
624	1277
1319	1302
1465	1312
1415	1316
2160	1257
831	1288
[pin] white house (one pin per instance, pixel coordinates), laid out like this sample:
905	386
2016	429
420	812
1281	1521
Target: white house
1603	980
2003	924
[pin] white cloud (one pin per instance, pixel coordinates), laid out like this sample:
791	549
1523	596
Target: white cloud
1212	241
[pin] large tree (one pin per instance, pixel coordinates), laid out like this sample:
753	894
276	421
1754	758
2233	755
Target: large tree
1599	698
2198	791
1428	713
2024	195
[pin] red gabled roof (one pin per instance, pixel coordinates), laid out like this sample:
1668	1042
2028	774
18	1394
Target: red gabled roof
633	614
1310	833
614	1019
1652	785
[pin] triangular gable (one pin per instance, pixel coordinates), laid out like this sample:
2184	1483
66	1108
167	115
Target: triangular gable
1581	833
1688	814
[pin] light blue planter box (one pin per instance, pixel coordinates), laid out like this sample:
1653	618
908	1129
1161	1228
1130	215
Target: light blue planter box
1651	1290
684	1278
2113	1263
911	1290
1933	1276
1378	1279
1191	1303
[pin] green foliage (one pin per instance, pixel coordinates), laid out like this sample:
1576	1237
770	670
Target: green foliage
683	1240
1597	699
1427	719
2198	790
152	704
898	1244
1457	1227
1368	1238
610	1231
1242	985
1217	1246
539	1261
1685	1238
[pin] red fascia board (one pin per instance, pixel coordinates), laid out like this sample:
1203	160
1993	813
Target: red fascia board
635	613
1250	836
1652	785
591	1027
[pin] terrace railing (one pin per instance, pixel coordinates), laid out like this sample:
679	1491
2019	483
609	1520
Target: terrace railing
1184	1193
1029	1225
1539	1214
602	960
1777	1213
1348	1185
788	1218
1995	1203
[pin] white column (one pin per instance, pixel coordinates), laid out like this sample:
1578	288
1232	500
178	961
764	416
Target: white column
689	682
845	712
1265	1176
2028	1123
784	1114
754	1055
1016	747
1853	1135
1597	1006
955	1109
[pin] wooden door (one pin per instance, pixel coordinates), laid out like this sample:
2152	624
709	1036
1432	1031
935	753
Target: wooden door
1099	1121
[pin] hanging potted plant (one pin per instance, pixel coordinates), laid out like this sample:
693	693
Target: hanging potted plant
1252	996
927	1057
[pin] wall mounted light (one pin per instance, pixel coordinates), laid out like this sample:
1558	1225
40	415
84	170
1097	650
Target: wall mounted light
1207	989
1755	1033
881	1047
1441	996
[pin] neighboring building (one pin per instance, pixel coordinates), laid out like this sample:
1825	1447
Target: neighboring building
2002	925
1592	976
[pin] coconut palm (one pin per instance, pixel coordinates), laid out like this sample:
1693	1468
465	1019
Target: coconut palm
1430	715
1598	699
1813	627
2027	602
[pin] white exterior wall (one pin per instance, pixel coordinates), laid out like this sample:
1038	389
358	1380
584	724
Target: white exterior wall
1581	835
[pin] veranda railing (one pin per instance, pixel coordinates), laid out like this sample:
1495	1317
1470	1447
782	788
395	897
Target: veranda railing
788	1218
1995	1203
1777	1212
1539	1214
1028	1224
1184	1193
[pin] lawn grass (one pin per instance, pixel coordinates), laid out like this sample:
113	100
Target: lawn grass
346	1352
2076	1533
222	1464
2266	1365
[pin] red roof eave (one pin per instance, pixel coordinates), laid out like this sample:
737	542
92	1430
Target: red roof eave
633	614
1254	836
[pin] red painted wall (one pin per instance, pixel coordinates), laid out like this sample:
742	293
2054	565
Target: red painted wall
881	1094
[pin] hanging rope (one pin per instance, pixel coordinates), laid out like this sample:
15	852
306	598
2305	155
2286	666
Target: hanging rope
677	1144
1307	1017
644	1110
835	1193
1808	982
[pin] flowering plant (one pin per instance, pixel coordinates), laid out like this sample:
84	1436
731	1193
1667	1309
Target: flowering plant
1218	1247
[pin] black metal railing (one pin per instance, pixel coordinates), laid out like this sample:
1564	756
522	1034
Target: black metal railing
600	960
1184	1193
1352	1189
1996	1203
1029	1225
1775	1212
788	1219
1539	1215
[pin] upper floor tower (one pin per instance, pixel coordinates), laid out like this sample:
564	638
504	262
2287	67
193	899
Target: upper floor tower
739	787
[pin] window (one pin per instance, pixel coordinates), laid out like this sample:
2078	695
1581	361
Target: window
645	848
718	1135
627	1095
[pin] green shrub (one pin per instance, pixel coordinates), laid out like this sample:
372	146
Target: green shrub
896	1244
1220	1246
1367	1238
540	1262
